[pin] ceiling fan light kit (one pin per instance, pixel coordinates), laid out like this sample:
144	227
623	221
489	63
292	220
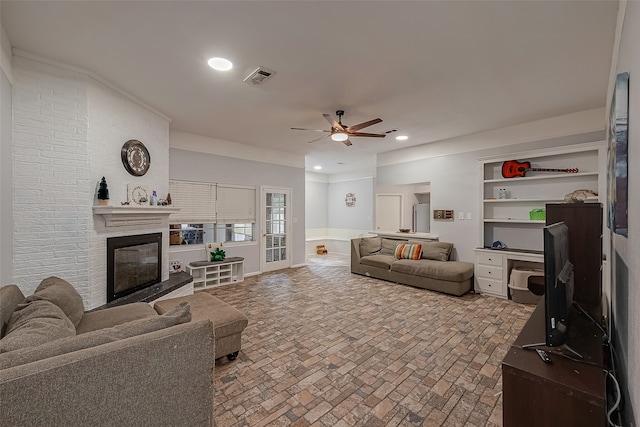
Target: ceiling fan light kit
341	133
339	136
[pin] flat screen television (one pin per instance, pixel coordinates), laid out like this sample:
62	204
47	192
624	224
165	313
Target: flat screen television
558	279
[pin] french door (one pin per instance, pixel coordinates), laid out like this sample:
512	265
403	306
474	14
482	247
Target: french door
276	228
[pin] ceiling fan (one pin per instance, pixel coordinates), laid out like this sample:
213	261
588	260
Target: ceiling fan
340	132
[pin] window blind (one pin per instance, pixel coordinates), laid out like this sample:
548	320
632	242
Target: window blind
236	204
196	200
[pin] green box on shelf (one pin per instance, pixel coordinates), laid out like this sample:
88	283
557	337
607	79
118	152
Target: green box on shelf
537	214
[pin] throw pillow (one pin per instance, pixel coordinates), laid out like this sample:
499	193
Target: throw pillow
181	313
439	251
35	323
10	297
407	251
388	247
61	293
370	246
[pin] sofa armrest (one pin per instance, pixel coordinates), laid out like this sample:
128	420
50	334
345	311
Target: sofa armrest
160	378
355	253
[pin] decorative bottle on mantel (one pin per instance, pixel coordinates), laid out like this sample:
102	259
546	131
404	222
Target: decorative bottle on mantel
154	198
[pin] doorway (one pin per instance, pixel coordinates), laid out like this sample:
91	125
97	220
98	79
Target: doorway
276	228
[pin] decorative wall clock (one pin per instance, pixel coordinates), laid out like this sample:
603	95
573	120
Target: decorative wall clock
135	157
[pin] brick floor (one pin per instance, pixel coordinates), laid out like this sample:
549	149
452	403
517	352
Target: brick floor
325	347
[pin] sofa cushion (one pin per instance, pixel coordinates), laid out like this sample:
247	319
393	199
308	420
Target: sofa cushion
407	251
370	246
113	316
61	293
10	297
380	261
389	246
453	271
35	323
179	314
438	251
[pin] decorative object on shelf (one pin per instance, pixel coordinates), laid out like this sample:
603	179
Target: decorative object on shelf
321	250
350	200
103	192
139	194
175	266
537	214
154	198
135	157
579	196
404	230
498	245
502	193
218	255
168	199
514	168
617	155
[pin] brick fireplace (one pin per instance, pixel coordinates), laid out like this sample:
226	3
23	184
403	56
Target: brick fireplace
69	126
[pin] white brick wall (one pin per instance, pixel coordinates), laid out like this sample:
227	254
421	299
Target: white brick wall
68	130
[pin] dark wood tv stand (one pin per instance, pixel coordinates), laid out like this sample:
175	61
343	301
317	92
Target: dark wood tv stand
561	393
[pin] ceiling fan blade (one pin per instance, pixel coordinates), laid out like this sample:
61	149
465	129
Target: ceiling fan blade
317	139
347	142
370	135
364	124
333	122
313	130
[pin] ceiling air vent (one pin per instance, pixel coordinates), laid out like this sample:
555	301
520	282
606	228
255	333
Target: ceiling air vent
258	76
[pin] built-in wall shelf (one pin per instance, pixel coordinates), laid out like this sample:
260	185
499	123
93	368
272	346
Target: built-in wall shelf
541	177
124	216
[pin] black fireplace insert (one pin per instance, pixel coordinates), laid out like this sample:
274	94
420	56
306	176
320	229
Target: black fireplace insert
133	263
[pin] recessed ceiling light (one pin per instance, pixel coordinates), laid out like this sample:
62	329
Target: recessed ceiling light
220	64
317	167
402	137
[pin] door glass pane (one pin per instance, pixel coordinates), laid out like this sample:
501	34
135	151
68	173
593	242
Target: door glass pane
275	227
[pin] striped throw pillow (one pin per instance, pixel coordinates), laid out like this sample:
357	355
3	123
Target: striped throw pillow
407	251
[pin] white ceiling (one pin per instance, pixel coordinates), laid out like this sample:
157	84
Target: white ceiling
432	69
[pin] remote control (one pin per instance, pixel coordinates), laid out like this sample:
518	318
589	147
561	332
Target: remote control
543	355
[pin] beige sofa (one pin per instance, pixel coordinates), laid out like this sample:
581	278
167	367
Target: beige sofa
124	365
376	257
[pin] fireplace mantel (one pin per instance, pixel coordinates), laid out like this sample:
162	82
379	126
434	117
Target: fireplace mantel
123	216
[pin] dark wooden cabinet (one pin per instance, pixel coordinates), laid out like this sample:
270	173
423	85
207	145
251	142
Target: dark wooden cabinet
561	393
584	221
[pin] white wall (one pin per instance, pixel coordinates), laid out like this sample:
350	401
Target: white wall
316	205
626	250
6	168
205	167
68	129
358	217
330	221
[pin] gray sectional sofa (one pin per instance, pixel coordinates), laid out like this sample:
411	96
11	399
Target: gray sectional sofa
376	257
125	365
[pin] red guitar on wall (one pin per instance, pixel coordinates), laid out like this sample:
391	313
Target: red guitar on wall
513	168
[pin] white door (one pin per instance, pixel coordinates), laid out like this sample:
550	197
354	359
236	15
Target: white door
276	228
388	212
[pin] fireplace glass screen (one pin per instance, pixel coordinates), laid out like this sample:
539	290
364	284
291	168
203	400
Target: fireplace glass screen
134	262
